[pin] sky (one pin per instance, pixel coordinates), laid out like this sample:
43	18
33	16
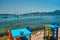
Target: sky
28	6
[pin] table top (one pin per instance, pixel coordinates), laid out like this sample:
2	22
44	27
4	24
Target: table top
53	26
17	32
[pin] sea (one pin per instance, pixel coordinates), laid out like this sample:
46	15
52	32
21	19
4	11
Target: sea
35	22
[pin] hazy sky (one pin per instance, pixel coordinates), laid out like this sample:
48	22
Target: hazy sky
27	6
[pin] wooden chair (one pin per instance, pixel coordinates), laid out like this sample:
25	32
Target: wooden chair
10	35
18	38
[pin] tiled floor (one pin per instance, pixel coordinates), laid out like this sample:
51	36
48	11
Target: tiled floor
40	36
37	37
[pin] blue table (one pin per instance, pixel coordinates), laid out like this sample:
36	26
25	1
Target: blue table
16	32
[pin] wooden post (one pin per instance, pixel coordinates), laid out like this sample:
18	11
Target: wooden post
53	33
57	33
49	31
44	33
29	37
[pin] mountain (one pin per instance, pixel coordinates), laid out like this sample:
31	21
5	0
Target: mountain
31	14
54	13
7	15
57	12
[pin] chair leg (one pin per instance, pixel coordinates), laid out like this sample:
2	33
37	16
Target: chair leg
18	38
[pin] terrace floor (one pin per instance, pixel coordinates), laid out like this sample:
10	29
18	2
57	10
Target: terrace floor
37	36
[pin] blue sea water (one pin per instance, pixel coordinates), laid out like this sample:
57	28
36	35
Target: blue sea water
34	22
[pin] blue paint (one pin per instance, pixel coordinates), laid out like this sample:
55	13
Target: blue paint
57	33
53	34
29	28
24	38
54	27
17	32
